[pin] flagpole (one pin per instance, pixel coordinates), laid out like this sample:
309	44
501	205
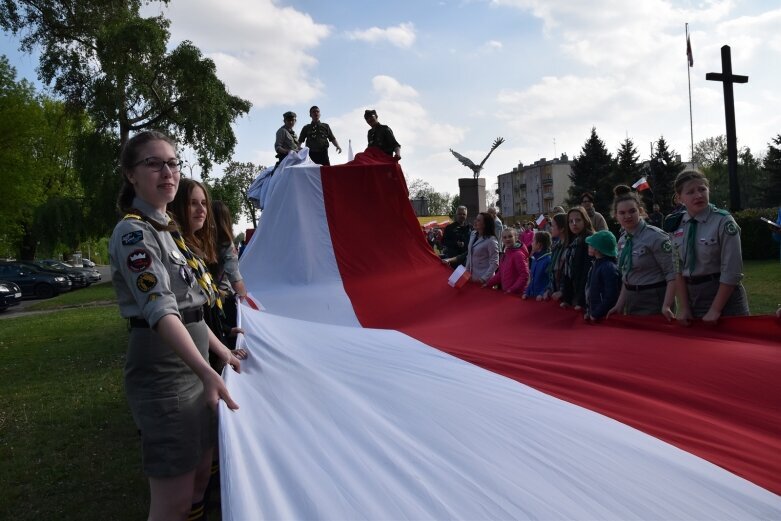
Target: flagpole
689	76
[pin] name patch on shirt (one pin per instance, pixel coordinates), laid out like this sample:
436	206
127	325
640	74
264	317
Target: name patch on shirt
146	281
132	237
139	260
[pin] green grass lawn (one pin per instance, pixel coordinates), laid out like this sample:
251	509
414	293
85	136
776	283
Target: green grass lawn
97	293
67	441
68	445
763	285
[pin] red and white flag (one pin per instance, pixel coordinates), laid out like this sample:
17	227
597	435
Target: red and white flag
641	184
689	54
541	220
375	391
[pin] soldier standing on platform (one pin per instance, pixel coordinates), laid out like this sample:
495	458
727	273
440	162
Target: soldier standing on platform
316	136
286	140
381	136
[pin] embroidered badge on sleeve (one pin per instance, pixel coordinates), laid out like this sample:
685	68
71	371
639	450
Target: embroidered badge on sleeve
132	237
146	281
139	260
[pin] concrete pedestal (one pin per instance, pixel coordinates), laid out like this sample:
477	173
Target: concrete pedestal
472	194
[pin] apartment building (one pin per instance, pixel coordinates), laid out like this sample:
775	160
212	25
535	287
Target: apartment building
535	188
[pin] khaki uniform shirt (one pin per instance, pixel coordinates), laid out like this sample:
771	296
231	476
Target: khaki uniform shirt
285	139
717	247
150	275
652	260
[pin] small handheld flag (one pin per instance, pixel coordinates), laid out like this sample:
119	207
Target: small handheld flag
641	184
541	220
459	277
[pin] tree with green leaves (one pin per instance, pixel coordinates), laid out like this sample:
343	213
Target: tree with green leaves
771	164
41	186
664	167
711	155
626	169
232	189
592	172
438	202
107	59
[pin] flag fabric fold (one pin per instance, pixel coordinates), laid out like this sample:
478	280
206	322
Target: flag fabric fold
375	391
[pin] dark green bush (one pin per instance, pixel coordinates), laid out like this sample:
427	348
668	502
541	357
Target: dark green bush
755	236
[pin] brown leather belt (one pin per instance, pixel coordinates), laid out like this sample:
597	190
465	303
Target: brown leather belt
188	317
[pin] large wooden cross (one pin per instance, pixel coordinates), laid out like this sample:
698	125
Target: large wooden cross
727	79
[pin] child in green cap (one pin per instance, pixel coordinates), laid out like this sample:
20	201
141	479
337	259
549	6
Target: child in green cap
604	279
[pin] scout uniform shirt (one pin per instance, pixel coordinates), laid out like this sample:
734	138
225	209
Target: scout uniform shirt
651	258
150	275
716	247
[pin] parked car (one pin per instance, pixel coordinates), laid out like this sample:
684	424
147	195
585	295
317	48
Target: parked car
10	294
90	274
77	278
87	263
33	281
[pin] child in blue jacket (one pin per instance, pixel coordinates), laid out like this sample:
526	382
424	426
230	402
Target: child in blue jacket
604	279
541	259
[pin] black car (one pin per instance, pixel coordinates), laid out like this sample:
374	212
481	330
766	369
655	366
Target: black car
77	278
10	294
91	275
34	281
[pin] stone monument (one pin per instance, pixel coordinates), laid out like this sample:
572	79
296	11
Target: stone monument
472	190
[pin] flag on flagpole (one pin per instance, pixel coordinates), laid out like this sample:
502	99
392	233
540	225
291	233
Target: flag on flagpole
541	220
641	184
350	155
689	51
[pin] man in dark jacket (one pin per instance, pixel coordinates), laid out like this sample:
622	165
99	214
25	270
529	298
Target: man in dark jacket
455	240
381	136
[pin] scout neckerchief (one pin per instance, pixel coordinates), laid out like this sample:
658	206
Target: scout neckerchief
205	282
691	238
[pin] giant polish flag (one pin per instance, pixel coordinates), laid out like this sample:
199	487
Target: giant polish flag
374	390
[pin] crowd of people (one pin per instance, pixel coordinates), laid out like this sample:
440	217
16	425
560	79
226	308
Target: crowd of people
573	258
175	271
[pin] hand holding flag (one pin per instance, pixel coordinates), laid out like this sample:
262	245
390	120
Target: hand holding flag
541	220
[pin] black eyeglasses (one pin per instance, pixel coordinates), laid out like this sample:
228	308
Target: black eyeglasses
156	164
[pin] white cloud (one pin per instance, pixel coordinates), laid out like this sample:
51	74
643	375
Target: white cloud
402	35
261	50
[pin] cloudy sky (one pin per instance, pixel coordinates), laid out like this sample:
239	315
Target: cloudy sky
458	73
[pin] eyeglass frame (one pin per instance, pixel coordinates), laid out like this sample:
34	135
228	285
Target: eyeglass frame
174	169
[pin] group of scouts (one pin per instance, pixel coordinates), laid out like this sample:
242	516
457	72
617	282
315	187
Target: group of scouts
317	135
580	264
